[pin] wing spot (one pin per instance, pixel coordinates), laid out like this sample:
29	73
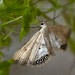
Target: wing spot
39	48
41	60
43	44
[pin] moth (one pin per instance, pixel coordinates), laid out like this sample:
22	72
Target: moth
42	45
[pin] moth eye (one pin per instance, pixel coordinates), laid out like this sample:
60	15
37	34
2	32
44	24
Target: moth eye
42	23
63	46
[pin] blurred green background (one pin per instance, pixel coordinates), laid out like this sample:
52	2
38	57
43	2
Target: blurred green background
14	13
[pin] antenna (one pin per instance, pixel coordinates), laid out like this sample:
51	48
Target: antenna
54	14
60	13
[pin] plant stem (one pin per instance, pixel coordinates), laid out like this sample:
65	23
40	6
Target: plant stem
11	21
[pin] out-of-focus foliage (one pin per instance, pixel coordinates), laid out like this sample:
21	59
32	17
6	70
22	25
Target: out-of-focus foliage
5	67
25	12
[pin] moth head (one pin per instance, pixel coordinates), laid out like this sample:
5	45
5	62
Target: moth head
43	24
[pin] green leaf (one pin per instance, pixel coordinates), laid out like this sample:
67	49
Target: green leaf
12	30
5	42
11	4
25	23
70	19
72	44
23	32
38	12
11	61
1	4
5	67
27	3
71	1
34	22
12	8
6	64
4	71
28	16
67	17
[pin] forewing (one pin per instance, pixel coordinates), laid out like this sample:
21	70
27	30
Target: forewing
41	50
23	54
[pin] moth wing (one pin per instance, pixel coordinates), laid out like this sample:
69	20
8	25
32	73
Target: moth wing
41	50
23	54
59	36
